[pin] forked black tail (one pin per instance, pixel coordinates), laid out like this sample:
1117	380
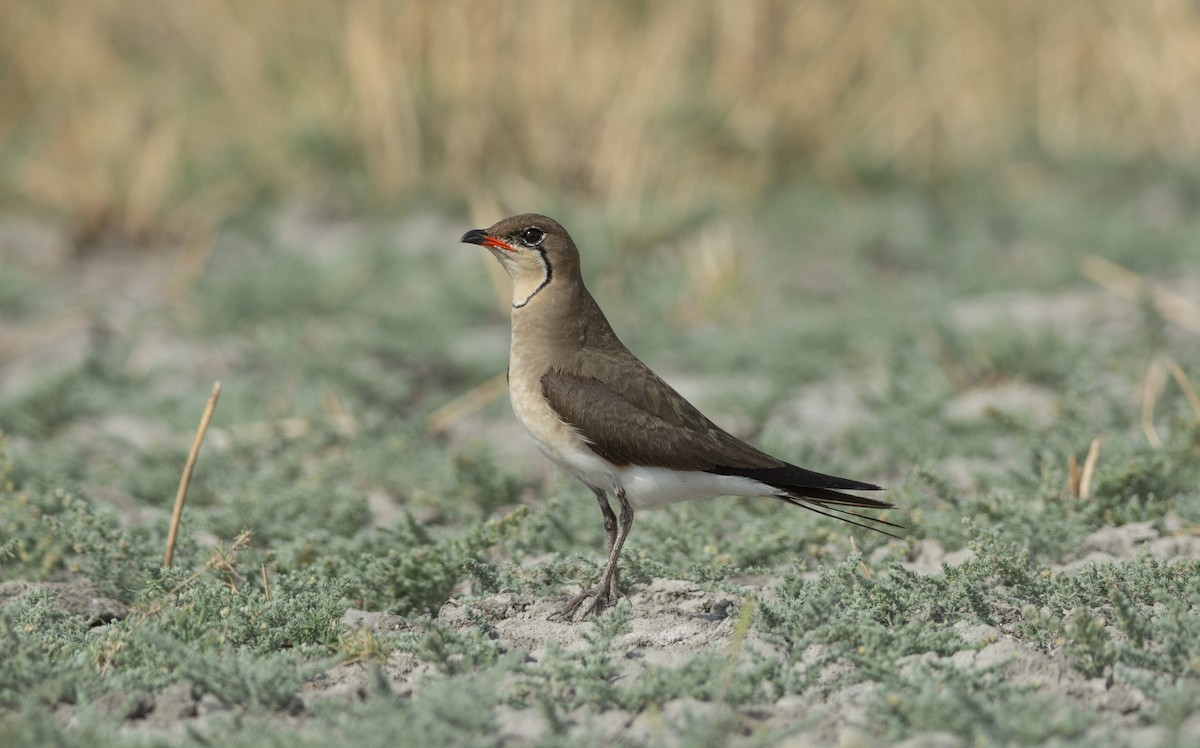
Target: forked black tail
816	492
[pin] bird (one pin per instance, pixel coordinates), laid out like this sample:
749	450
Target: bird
594	409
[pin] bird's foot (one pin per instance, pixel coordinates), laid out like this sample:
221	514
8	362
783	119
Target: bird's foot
590	602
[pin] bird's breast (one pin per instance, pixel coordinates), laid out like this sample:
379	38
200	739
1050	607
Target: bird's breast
555	438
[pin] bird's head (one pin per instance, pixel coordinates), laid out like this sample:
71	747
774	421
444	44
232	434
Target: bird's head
533	249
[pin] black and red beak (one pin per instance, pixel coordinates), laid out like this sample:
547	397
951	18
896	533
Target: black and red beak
481	237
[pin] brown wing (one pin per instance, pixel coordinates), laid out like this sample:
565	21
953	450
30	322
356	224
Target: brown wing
641	420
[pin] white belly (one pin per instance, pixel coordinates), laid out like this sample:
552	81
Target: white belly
649	487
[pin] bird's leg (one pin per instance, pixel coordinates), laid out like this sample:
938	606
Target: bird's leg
608	591
610	519
610	573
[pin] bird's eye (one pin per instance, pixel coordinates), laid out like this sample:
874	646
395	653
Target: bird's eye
533	236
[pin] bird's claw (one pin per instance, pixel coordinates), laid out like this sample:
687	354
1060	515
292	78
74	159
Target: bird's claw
590	602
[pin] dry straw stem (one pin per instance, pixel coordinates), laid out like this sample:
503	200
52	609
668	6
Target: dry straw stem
1153	387
465	404
1188	391
141	121
1089	469
186	478
1128	284
1079	479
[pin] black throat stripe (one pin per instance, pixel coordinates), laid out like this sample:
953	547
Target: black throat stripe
545	279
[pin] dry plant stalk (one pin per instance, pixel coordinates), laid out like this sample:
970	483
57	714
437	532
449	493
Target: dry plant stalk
1188	391
862	565
1074	476
465	404
1153	387
186	478
1089	469
1079	477
1128	284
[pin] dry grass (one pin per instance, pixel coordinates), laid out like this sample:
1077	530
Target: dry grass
168	116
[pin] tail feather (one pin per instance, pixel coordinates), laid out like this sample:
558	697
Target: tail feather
834	510
816	492
786	477
826	496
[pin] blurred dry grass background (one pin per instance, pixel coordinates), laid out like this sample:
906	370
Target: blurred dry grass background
140	119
